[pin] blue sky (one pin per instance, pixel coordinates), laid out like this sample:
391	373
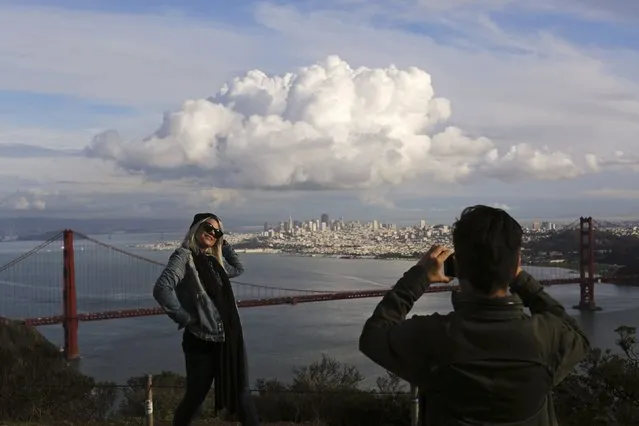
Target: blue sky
195	9
57	110
559	77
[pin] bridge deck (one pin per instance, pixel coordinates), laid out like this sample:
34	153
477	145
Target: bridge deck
285	300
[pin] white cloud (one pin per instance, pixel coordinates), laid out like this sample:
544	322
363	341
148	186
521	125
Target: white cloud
501	206
326	126
523	160
50	138
76	170
527	90
457	4
216	197
620	160
71	134
75	183
521	87
377	198
619	11
613	10
531	87
140	60
613	193
30	199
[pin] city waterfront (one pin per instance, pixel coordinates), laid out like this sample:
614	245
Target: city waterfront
354	239
279	338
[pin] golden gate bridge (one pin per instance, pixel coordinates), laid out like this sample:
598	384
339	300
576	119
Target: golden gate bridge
94	281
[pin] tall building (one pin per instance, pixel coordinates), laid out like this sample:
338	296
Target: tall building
324	218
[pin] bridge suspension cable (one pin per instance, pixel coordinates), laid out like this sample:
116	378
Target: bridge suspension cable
113	282
56	237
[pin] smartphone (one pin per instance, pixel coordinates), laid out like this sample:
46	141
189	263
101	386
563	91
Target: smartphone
450	268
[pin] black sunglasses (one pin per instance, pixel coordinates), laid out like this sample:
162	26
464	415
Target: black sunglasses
212	230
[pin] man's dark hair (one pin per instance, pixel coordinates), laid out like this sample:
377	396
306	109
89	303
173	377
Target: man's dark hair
487	245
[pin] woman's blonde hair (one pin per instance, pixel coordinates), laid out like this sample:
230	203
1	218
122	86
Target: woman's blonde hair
190	241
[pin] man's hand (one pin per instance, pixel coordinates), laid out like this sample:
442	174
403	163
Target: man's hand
433	263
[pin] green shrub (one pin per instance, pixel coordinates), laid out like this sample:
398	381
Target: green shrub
37	384
168	389
330	393
604	389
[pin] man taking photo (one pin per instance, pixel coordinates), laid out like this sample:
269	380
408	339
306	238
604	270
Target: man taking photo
487	362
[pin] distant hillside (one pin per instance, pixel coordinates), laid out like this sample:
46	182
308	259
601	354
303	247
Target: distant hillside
31	365
38	236
609	248
32	229
562	241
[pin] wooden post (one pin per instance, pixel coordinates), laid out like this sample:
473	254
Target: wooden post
148	403
70	303
414	405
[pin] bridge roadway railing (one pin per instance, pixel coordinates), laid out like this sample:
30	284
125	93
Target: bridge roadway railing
94	259
289	300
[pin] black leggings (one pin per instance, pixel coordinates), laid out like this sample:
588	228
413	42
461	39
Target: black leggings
201	359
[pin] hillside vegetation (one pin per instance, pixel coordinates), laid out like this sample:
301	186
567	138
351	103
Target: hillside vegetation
610	249
38	388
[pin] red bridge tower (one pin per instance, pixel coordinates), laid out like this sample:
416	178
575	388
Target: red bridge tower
586	265
69	300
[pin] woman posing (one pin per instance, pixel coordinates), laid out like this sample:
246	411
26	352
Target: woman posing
195	292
